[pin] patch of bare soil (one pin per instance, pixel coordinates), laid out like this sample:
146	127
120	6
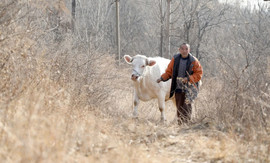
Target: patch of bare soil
170	142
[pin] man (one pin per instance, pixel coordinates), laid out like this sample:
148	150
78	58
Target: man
185	71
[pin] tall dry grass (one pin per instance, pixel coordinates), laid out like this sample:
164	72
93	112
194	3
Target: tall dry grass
47	123
62	101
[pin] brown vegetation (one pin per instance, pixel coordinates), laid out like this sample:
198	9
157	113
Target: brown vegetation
62	100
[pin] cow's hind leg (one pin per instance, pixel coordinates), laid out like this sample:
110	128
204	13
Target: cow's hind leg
161	105
136	102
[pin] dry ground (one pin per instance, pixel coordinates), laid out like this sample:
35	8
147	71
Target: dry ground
47	123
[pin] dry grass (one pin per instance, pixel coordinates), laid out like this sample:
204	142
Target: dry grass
73	104
42	124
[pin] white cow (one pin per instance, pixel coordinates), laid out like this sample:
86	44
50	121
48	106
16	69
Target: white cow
145	72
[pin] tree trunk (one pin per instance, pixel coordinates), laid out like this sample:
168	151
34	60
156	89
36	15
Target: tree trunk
161	41
161	29
167	34
73	14
118	31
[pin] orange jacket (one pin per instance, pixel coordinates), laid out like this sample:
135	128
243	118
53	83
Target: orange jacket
193	78
194	71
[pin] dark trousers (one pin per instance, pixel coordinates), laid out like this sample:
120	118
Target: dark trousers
183	109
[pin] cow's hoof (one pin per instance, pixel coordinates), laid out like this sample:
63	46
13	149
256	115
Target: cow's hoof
162	118
135	116
162	121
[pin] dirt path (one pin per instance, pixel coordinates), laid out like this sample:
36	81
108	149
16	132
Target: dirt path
146	141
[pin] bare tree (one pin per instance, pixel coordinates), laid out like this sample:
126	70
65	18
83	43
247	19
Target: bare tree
164	17
168	25
198	18
162	23
207	18
73	4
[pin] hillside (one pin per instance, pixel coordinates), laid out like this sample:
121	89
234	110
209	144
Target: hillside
46	123
66	97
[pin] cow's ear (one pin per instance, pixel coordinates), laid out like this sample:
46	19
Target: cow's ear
128	59
151	62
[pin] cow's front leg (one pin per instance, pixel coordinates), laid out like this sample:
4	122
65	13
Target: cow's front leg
136	102
161	105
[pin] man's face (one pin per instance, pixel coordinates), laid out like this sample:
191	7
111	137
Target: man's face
184	50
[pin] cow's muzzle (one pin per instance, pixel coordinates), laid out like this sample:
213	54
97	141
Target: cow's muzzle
134	77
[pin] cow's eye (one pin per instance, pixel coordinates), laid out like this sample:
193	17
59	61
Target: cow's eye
143	66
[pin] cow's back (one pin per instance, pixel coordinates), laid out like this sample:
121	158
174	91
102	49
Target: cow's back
152	73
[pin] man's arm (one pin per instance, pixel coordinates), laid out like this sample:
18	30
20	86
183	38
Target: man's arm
197	72
168	73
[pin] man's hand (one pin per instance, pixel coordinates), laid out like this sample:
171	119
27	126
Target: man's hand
159	80
185	80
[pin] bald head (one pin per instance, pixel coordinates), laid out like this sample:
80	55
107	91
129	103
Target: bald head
184	50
